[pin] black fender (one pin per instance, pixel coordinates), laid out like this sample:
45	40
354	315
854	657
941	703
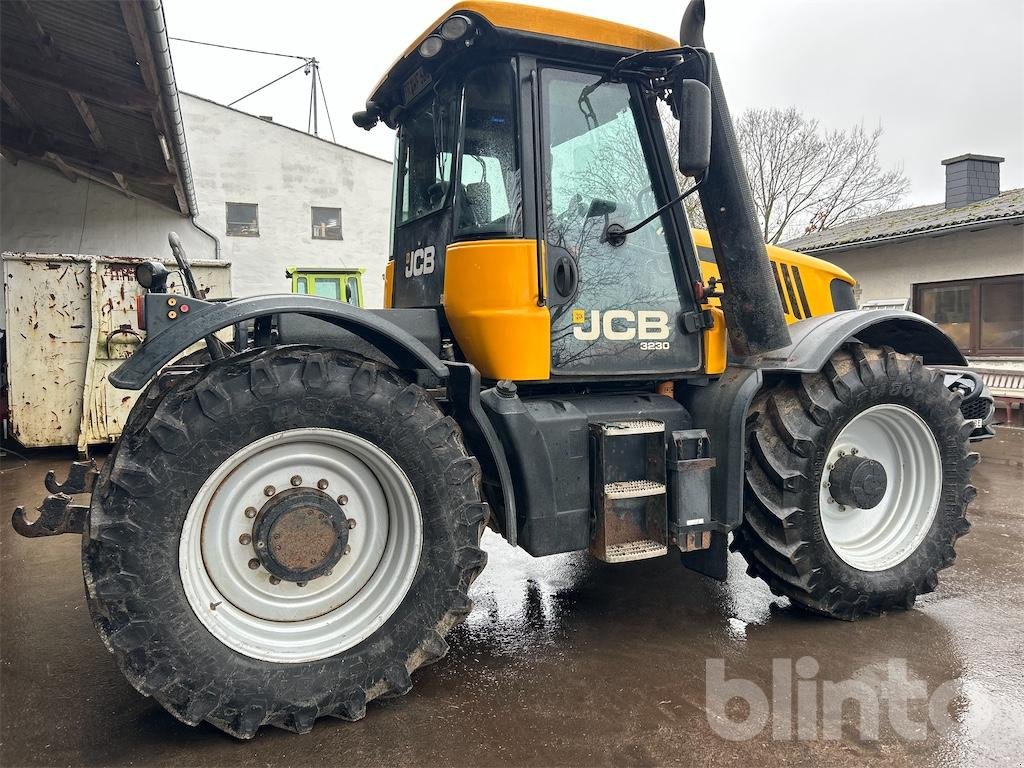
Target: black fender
721	405
169	337
815	339
483	442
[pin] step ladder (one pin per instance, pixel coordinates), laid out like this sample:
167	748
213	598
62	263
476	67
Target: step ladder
629	490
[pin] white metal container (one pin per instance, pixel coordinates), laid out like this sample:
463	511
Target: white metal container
70	321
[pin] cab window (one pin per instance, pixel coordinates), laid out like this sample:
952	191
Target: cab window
426	146
489	196
342	285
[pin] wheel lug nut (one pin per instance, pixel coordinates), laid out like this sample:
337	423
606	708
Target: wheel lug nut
244	539
321	484
351	523
274	580
254	564
343	500
828	485
300	583
296	480
853	451
348	549
250	512
269	490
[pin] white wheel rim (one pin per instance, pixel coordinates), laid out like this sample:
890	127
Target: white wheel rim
884	536
284	622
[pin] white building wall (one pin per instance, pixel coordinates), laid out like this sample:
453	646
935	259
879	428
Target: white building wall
891	271
242	159
41	211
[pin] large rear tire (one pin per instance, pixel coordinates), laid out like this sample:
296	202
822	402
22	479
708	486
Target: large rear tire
218	630
843	547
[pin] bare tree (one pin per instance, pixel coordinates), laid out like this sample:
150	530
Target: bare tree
804	178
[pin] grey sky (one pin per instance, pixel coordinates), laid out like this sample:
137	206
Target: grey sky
942	76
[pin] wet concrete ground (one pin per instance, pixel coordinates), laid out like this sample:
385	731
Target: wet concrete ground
567	661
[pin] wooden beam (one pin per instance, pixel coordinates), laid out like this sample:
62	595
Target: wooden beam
42	39
100	179
131	12
135	24
15	106
179	195
61	166
88	119
83	81
30	143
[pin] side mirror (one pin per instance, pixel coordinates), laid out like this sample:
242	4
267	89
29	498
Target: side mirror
599	207
693	108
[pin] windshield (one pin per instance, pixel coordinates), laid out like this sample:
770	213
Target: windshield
426	143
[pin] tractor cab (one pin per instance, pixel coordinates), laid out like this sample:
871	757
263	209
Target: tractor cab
521	154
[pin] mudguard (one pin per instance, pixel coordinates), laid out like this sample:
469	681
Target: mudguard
194	320
816	338
721	406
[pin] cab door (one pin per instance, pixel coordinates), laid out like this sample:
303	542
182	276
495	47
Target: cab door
615	310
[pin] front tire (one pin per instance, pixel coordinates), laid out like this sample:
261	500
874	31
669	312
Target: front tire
220	631
871	545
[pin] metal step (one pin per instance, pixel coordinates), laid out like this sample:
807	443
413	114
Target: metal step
633	427
633	489
634	550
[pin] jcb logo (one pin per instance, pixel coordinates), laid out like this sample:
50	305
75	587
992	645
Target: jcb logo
419	262
621	325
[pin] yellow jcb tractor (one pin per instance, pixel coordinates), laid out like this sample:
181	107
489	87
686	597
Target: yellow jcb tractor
288	528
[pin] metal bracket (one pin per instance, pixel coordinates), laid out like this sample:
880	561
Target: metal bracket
81	478
57	515
694	322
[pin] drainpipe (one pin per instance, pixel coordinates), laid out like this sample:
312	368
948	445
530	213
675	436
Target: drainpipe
156	27
209	234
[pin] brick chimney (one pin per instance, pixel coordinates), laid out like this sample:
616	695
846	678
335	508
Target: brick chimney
970	178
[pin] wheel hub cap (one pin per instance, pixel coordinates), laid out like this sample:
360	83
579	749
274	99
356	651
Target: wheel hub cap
858	482
300	545
300	534
880	487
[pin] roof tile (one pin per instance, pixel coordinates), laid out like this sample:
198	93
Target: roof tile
911	221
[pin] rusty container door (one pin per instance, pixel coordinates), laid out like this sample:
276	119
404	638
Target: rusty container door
70	321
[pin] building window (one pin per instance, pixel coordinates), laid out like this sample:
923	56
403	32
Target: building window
343	285
983	316
326	223
243	219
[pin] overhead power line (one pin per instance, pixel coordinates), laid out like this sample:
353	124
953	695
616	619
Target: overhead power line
236	48
309	64
267	85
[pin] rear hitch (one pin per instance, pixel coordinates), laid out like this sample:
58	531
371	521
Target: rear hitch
57	514
81	479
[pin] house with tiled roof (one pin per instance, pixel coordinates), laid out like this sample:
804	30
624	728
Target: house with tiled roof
959	262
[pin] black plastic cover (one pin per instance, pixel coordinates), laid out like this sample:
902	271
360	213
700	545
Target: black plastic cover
547	444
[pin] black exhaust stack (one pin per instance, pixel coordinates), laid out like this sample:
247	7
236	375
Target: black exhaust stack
751	302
